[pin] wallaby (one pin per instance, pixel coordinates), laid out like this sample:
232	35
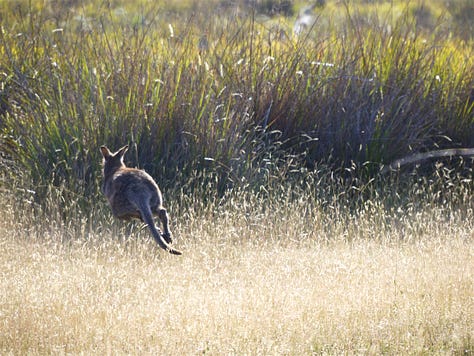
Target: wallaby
132	193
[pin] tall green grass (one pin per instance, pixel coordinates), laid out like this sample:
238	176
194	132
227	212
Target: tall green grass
259	107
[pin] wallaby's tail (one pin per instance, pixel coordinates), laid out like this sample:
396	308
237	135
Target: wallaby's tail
148	219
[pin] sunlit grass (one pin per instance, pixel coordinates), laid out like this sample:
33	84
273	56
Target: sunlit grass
245	285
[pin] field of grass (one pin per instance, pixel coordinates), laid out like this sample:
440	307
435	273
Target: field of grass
268	147
295	281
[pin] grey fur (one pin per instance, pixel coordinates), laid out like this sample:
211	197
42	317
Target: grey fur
132	193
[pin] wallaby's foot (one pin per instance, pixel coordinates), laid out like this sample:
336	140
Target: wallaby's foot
167	237
175	252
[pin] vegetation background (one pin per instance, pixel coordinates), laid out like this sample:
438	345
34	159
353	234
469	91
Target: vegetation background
268	143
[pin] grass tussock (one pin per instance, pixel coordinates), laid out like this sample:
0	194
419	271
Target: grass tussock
365	88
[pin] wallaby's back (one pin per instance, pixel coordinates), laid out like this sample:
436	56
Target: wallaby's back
132	193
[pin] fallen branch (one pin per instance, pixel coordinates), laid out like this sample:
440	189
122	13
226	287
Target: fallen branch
395	165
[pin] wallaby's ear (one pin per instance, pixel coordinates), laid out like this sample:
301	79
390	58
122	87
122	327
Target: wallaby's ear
105	152
122	151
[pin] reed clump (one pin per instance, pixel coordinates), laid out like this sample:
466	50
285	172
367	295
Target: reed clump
256	104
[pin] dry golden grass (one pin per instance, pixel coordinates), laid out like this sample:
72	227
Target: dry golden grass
241	292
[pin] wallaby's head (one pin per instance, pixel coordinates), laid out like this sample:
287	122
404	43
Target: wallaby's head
112	161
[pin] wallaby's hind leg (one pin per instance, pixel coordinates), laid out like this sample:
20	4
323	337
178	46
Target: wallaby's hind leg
163	215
